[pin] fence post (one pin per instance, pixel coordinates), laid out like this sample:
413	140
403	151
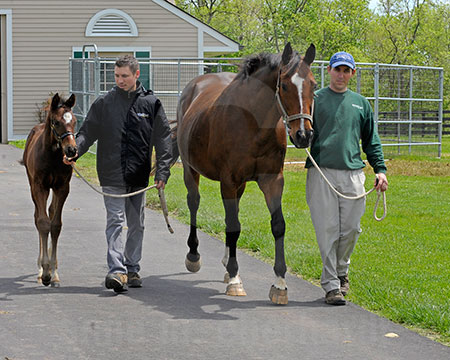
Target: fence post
410	109
97	76
399	109
376	103
179	79
322	76
441	105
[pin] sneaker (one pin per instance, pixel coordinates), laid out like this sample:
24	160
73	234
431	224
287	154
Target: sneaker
117	282
345	285
335	297
134	280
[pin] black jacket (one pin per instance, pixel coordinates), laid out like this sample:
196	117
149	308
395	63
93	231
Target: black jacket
127	125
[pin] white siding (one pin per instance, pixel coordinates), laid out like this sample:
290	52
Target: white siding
208	40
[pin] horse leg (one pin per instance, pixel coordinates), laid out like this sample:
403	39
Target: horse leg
272	187
55	214
42	222
226	278
230	200
191	180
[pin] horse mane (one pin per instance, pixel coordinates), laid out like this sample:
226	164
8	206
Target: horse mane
253	63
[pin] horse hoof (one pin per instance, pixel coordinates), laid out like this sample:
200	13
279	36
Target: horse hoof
278	296
226	278
193	266
236	290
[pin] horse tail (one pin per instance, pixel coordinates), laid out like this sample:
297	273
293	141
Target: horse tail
175	151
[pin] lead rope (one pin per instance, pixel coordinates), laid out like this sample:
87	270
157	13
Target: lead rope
162	197
354	197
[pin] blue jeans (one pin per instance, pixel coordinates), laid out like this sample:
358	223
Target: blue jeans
123	257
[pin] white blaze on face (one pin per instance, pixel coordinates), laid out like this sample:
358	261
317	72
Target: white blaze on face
298	81
67	117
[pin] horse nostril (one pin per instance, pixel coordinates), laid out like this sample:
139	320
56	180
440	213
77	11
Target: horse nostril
71	151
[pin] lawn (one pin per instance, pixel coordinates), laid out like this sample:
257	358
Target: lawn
401	266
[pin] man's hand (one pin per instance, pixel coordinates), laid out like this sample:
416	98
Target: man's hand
381	182
160	184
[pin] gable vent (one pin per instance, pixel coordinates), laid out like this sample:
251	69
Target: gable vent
111	22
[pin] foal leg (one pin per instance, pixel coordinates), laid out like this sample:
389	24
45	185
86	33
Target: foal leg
55	214
230	200
191	180
272	187
40	195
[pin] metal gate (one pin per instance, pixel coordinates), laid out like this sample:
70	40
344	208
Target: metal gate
407	100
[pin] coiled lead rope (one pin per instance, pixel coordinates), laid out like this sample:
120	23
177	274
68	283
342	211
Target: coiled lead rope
354	197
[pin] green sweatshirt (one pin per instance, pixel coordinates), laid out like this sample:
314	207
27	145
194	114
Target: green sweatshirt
340	121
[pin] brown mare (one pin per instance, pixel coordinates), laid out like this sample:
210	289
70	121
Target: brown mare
230	129
46	144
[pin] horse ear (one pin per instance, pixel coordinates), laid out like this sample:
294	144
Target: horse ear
55	101
70	102
310	54
287	54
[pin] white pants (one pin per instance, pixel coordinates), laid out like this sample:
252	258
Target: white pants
336	220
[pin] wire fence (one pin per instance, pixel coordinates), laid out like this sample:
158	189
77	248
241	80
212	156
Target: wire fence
407	100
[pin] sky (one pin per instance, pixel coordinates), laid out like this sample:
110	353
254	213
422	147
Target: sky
373	4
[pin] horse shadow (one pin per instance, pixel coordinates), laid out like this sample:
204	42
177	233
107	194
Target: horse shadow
172	294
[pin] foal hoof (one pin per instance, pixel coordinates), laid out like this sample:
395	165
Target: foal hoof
236	290
193	265
278	296
44	280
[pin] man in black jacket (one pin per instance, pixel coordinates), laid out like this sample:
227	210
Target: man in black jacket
126	122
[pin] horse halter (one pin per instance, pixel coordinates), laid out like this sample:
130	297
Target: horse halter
68	117
288	118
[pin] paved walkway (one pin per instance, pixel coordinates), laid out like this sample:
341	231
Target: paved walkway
176	315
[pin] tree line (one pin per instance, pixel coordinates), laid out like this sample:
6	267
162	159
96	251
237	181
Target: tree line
408	32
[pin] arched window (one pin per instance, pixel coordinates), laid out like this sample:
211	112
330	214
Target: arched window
111	22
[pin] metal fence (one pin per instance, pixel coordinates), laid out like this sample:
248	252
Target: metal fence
407	100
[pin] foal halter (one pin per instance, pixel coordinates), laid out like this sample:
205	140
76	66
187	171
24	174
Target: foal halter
61	137
288	118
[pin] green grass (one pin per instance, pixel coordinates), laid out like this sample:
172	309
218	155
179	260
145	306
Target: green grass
401	266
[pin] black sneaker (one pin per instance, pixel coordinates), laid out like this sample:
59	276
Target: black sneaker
335	297
345	285
134	280
117	282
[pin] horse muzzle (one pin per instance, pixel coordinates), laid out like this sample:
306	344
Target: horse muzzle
302	139
70	151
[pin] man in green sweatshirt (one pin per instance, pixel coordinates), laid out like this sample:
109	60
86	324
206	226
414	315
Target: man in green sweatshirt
342	118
